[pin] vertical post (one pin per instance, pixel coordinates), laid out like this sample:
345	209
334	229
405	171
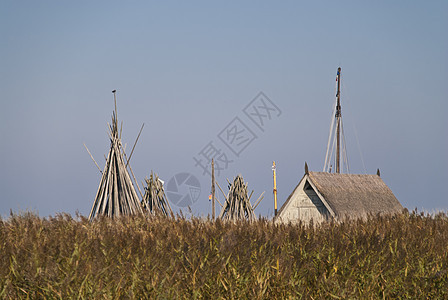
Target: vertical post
213	189
338	123
275	188
115	102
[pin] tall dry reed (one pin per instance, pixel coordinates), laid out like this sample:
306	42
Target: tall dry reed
405	256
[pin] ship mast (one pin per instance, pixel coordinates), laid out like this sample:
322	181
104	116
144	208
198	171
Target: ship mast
336	136
338	123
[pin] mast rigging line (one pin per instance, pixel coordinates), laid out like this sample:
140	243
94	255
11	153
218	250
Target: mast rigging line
328	155
344	150
353	123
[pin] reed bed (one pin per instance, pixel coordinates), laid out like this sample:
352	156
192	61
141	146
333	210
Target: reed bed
402	256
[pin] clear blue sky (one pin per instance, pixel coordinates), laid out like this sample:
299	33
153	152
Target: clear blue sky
187	69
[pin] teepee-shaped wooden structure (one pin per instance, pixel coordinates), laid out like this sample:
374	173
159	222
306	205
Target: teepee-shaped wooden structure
237	205
116	195
154	201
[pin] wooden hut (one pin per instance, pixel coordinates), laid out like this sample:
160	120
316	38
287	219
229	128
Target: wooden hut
322	196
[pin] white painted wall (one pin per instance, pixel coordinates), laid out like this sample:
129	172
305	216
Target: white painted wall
303	205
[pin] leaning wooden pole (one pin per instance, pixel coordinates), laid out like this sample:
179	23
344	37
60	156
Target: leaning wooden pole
213	189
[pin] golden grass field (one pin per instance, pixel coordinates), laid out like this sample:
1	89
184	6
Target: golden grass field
65	257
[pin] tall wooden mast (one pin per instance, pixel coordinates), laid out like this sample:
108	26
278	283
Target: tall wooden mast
338	122
213	189
275	188
336	147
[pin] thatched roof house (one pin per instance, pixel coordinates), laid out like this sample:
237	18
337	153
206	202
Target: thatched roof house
321	196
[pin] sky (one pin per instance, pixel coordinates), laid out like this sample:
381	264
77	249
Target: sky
193	72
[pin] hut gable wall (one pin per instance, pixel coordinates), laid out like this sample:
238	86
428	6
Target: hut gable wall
304	204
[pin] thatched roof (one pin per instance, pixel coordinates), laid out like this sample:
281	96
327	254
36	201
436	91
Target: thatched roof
351	195
355	195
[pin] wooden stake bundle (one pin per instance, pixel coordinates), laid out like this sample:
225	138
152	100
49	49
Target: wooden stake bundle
154	201
116	195
237	205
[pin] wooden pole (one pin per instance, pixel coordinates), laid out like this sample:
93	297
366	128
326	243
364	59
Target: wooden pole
213	189
258	200
275	188
115	102
338	123
225	197
91	156
134	144
132	172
